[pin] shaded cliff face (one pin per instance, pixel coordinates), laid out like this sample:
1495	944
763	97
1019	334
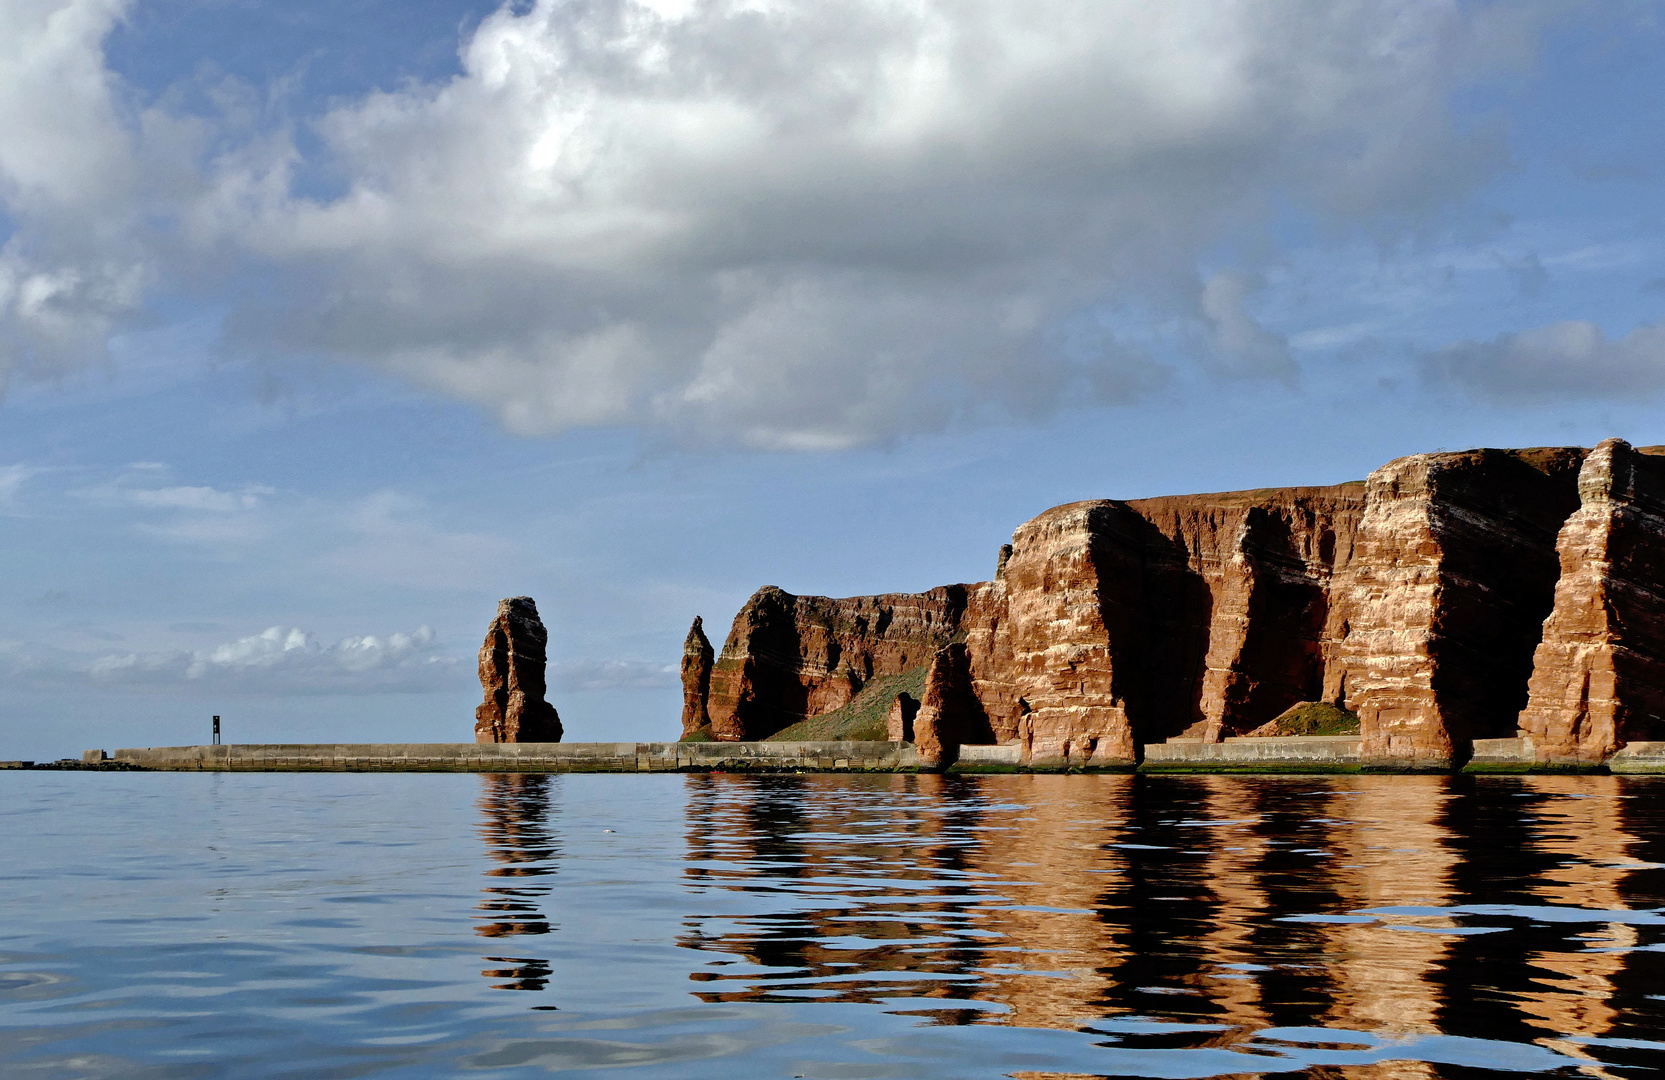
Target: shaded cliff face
790	657
512	664
1598	676
1417	599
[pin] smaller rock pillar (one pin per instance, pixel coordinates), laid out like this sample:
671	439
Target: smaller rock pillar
940	724
697	657
512	663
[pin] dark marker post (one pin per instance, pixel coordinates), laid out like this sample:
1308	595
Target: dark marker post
216	731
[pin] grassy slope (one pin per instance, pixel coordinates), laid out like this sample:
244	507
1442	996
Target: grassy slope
863	718
1317	718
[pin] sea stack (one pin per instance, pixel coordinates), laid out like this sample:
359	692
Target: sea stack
697	656
512	662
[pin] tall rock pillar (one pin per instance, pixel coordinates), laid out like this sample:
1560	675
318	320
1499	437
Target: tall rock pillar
512	663
1598	675
697	656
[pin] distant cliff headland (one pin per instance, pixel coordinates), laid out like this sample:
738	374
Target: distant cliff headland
1449	597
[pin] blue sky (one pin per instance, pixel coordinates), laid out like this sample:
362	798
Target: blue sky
325	326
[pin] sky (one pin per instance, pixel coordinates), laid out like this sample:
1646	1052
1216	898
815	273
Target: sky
325	326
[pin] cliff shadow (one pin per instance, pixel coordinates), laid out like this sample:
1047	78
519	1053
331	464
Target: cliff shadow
1281	663
1156	612
1497	522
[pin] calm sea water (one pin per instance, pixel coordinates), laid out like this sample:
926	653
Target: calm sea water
414	925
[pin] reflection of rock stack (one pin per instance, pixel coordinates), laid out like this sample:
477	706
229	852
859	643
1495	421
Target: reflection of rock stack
514	809
512	664
1589	856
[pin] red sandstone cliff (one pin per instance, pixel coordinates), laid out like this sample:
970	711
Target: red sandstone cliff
1437	614
792	657
696	678
1598	675
1417	599
512	663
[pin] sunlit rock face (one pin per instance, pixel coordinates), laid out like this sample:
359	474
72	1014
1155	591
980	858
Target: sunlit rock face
1437	614
1598	676
1417	599
697	658
512	663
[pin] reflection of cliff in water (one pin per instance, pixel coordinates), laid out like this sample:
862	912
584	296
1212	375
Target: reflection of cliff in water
519	836
822	839
1223	905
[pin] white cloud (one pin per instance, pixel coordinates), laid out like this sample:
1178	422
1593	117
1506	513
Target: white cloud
190	514
1571	359
280	660
1243	347
72	176
288	661
783	224
12	479
199	498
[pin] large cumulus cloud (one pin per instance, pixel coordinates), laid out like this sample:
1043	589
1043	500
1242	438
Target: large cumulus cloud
780	223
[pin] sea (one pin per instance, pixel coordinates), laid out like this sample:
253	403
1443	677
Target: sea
726	926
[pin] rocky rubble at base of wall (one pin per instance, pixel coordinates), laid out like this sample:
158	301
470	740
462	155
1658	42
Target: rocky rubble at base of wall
1482	594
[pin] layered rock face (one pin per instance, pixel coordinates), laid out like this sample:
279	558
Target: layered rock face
1438	612
512	663
1598	675
1417	599
697	657
1115	624
790	657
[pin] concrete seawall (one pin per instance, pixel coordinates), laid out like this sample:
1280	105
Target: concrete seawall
1285	754
528	757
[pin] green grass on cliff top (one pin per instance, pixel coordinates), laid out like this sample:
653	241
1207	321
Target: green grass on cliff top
863	718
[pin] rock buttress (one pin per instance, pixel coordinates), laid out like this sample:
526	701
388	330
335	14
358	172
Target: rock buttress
1436	617
697	656
512	663
1598	675
1055	645
790	657
948	715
